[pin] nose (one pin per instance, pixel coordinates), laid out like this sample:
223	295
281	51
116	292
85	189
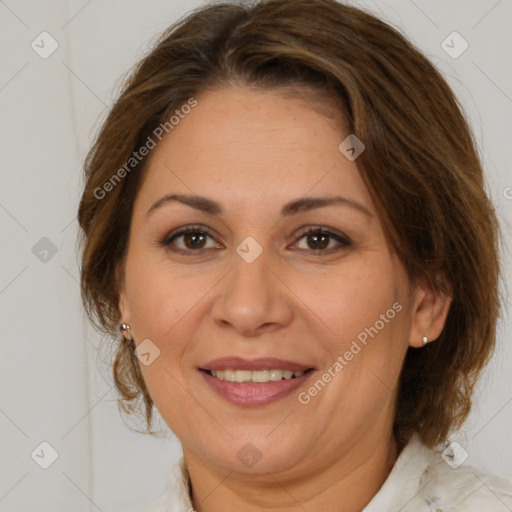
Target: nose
253	297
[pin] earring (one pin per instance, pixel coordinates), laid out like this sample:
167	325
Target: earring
125	328
425	340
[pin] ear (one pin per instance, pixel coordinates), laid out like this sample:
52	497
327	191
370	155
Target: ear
430	312
124	315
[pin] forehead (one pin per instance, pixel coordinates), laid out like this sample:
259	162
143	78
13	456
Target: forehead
253	146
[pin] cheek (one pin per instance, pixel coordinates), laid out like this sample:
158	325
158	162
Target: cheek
350	298
159	295
366	324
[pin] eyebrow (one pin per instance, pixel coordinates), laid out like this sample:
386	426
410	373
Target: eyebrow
292	208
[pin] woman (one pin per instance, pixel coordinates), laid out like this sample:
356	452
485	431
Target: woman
284	215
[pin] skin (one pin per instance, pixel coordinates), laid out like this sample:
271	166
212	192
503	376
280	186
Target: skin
252	151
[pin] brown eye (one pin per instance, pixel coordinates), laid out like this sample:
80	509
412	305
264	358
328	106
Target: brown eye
193	239
318	239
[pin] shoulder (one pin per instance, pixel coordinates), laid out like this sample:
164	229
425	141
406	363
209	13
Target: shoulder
440	480
450	483
465	487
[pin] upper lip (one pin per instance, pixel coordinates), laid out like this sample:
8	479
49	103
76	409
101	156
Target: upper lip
264	363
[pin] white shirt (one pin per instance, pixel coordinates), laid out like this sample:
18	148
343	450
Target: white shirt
422	480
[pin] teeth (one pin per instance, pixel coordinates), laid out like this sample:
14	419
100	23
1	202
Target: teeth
256	376
228	375
260	376
243	375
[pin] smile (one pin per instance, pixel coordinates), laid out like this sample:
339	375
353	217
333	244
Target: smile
256	376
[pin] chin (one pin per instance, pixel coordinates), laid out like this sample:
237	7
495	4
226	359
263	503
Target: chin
260	454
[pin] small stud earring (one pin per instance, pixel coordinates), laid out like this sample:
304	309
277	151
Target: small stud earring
425	340
125	328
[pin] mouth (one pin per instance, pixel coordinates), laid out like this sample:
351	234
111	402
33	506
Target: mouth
256	382
256	376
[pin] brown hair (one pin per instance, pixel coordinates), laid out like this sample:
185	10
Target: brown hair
420	166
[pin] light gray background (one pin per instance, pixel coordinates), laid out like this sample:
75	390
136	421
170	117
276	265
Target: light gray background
52	386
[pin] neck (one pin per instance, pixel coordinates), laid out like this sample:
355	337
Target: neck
346	483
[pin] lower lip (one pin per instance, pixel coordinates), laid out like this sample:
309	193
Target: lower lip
250	395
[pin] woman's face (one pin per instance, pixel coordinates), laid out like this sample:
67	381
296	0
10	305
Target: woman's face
255	286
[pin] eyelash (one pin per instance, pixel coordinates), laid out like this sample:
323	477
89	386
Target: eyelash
344	241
